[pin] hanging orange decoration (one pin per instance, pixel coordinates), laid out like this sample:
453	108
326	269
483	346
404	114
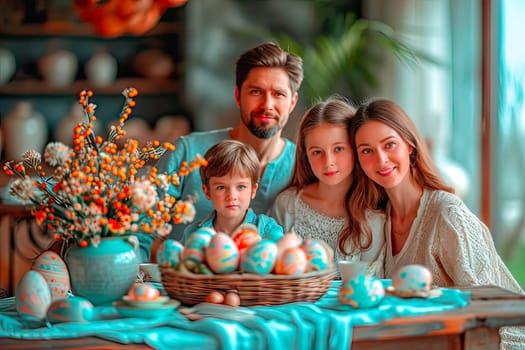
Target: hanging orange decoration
112	18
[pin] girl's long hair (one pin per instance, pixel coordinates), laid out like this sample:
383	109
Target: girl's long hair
335	111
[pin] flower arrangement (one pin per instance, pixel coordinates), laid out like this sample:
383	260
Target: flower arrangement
96	190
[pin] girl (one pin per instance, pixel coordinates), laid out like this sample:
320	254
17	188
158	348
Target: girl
314	204
425	222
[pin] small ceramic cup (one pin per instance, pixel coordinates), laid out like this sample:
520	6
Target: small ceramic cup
150	272
350	269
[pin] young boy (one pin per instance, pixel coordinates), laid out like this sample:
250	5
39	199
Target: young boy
230	181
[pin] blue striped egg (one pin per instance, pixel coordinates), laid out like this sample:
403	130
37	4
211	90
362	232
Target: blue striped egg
316	254
72	309
196	245
260	257
169	253
51	266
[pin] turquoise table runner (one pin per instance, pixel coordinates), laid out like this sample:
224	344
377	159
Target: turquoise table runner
325	324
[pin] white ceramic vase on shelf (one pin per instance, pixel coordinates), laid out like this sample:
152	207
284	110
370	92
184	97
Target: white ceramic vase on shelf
101	69
7	65
58	68
24	129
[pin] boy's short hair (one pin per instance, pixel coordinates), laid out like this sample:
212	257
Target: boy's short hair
231	156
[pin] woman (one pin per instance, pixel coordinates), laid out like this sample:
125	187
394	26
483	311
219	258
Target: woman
425	222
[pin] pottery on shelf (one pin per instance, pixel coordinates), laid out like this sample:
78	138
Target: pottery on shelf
24	129
101	69
58	68
154	63
7	65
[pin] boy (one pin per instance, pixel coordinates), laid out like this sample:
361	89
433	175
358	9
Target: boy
230	181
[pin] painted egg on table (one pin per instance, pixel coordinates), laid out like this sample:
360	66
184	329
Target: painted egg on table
292	261
51	266
32	296
245	236
316	254
196	245
260	257
412	278
222	255
71	309
143	292
362	292
169	253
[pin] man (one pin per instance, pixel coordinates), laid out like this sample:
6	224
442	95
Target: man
267	81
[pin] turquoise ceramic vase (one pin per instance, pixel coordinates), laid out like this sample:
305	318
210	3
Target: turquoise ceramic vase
105	273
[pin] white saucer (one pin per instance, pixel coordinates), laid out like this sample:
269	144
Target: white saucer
127	310
424	294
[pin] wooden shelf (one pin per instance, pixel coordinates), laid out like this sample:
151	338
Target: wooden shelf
69	28
146	86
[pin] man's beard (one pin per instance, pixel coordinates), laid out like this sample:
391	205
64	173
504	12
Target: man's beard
261	132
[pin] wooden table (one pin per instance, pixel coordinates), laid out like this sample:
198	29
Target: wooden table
473	327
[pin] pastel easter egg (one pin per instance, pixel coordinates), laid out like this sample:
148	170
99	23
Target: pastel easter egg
260	257
222	255
169	253
288	240
195	247
245	236
316	254
143	292
293	261
412	278
32	296
51	266
71	309
361	292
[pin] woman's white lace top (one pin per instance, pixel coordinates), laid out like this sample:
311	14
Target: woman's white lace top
457	247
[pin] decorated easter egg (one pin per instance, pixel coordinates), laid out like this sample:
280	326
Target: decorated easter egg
222	255
412	278
316	254
292	261
195	247
245	236
71	309
288	240
361	292
51	266
32	296
169	253
143	292
260	257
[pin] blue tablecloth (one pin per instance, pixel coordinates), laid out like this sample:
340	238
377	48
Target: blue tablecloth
325	324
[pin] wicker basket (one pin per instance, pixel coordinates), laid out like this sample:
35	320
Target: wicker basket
253	289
